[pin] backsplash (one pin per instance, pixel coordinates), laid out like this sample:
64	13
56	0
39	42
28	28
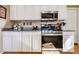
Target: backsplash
29	23
33	23
23	22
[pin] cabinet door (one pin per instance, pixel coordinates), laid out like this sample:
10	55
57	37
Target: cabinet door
7	41
36	41
36	13
17	12
28	12
49	8
16	41
68	41
26	42
32	12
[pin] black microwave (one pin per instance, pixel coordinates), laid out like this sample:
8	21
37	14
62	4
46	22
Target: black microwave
49	15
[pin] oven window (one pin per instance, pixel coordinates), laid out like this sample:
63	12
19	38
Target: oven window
57	41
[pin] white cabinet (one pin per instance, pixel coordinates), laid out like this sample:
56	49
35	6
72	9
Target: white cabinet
12	41
68	41
26	42
16	41
36	41
31	41
28	15
36	13
17	12
49	8
33	12
24	12
7	41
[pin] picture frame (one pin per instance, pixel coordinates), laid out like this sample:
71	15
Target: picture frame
3	12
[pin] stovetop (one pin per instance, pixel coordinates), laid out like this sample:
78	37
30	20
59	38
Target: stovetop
51	31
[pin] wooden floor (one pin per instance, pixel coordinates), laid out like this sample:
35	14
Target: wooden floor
76	50
22	53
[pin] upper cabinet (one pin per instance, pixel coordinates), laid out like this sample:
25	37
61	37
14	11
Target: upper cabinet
24	12
49	8
62	10
16	12
28	15
33	12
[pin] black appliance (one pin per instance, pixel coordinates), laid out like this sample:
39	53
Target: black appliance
57	41
48	27
53	15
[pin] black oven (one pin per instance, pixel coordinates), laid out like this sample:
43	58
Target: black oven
57	41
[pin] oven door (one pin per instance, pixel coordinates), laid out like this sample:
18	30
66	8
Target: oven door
57	41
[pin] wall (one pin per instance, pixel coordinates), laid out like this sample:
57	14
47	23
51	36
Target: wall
3	23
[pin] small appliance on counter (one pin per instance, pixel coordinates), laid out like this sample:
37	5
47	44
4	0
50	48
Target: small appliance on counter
16	27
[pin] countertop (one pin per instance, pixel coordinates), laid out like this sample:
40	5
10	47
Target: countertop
9	29
68	30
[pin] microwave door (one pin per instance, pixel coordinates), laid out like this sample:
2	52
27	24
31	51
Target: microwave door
47	15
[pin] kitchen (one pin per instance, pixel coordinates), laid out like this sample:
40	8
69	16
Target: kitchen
37	29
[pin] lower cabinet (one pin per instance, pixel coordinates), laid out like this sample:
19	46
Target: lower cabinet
36	42
7	41
30	41
68	41
16	41
26	41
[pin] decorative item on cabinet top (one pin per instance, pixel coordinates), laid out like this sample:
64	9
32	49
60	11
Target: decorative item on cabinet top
3	12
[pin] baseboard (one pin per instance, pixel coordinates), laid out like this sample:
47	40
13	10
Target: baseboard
75	43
